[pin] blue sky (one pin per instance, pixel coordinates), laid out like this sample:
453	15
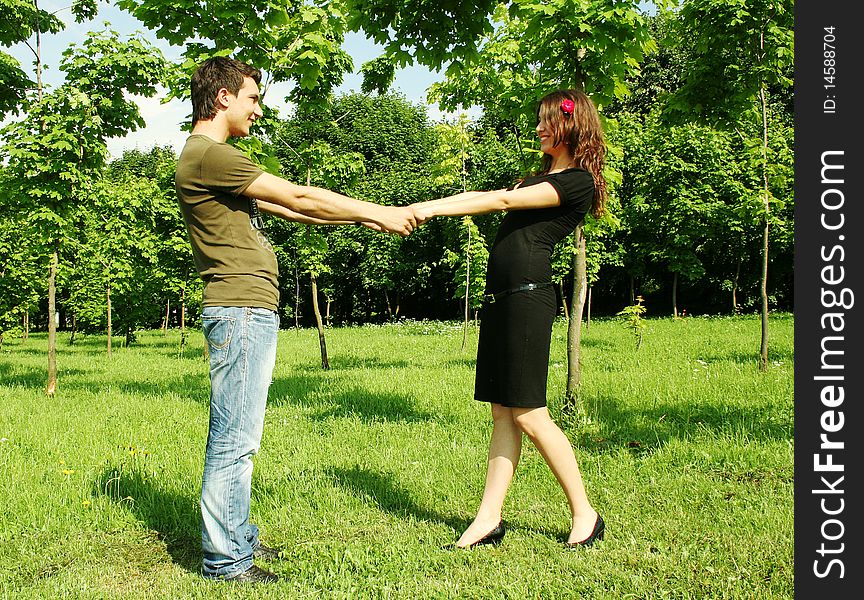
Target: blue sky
163	120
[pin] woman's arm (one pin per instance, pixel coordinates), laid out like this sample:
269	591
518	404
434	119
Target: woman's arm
541	195
448	199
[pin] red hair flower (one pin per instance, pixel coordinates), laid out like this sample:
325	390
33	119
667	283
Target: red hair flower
567	106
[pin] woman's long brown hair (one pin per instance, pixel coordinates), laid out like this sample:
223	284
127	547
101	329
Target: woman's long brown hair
583	132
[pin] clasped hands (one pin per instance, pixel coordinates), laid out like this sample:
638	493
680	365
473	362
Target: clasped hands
400	220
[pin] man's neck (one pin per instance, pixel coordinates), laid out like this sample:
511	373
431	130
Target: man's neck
212	129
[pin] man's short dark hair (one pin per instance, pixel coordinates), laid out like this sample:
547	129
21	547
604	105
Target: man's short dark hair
211	76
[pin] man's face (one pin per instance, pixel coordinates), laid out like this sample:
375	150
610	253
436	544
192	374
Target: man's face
243	109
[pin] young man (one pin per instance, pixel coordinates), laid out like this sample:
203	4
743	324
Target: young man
220	192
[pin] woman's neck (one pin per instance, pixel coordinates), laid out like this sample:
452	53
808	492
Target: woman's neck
560	163
562	158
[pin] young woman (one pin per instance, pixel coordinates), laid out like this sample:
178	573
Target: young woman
520	306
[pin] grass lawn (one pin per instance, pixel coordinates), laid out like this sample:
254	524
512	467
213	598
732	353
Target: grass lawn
368	469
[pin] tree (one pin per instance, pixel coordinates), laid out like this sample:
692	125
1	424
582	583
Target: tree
741	50
20	261
55	152
684	183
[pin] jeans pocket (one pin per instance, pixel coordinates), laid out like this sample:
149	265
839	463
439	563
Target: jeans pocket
218	332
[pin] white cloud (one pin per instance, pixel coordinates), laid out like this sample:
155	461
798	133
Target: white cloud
163	127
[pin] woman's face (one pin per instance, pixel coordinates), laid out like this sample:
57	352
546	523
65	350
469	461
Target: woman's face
547	139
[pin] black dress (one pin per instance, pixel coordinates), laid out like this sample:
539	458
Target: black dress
516	330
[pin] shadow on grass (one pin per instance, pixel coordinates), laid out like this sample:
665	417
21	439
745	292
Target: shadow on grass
33	378
745	358
297	388
373	407
173	517
366	362
314	392
590	342
463	361
384	492
193	388
643	429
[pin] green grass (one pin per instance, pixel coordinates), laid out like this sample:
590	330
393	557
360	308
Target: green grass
367	470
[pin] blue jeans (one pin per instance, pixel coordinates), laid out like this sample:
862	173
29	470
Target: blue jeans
242	345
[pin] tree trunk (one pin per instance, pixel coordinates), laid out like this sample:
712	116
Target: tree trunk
467	285
763	285
325	362
574	326
368	306
167	317
675	295
51	388
632	290
74	329
387	304
735	286
564	300
109	315
26	334
588	322
183	332
327	310
296	294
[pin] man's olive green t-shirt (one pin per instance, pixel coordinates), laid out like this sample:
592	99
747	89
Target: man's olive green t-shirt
231	251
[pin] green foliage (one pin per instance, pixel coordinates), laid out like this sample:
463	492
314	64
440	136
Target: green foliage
13	84
21	258
684	184
105	68
736	48
632	318
291	41
538	46
429	32
20	19
470	263
378	75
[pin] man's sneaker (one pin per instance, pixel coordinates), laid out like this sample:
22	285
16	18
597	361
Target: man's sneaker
254	575
265	552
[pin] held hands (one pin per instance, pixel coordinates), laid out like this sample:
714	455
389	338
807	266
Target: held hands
395	219
401	220
422	213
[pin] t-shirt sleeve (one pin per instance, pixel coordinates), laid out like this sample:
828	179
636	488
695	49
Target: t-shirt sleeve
575	188
226	169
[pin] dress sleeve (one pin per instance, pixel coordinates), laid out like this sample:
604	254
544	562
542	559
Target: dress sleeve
225	169
575	188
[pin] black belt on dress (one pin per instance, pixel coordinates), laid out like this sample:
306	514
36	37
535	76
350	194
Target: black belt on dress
527	287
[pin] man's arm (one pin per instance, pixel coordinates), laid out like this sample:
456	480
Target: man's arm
325	205
290	215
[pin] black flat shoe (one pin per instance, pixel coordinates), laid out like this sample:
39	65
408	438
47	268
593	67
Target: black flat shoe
254	574
265	552
493	538
596	534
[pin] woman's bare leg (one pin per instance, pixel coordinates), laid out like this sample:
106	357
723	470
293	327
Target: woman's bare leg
505	447
558	453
